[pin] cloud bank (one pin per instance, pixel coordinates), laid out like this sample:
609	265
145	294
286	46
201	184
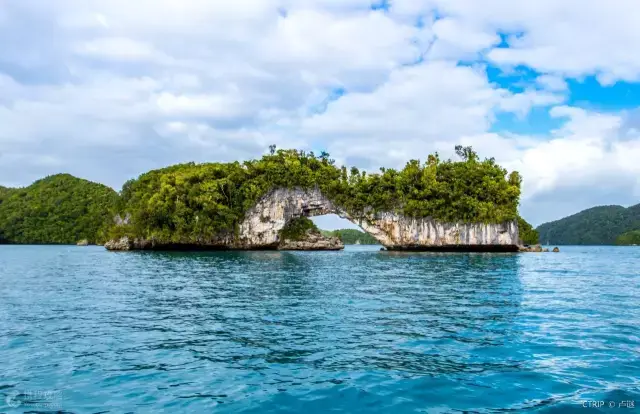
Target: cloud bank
107	89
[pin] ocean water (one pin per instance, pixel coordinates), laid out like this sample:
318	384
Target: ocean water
83	330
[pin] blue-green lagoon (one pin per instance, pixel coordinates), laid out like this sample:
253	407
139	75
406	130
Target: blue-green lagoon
84	330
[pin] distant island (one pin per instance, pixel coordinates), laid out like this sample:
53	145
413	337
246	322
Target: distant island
351	236
59	209
603	225
470	203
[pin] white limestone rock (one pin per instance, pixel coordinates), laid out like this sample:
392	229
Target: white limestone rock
262	225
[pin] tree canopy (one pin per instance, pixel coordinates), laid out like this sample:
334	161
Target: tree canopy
298	228
594	226
187	202
630	238
57	209
351	236
5	192
528	234
190	202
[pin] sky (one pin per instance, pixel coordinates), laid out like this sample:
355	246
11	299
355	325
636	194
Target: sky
108	89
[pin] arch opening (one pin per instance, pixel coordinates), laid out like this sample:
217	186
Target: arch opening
348	232
394	231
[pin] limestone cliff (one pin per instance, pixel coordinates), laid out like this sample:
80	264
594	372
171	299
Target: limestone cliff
263	223
396	232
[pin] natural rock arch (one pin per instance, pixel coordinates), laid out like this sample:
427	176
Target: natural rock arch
264	221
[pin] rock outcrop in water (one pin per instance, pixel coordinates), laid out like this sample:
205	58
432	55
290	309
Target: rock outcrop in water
533	249
312	241
121	244
264	222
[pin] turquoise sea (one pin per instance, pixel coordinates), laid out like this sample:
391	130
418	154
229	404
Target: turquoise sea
86	331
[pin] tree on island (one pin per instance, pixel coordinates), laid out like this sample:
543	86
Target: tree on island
351	236
59	209
185	203
631	238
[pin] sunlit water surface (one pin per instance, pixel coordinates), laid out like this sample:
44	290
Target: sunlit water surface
288	332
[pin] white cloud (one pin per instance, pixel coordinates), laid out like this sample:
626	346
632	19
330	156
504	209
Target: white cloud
588	161
521	103
552	83
106	89
459	39
212	106
118	48
570	37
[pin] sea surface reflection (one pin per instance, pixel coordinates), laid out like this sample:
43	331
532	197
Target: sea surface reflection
352	331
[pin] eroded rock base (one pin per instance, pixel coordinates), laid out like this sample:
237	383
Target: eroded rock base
479	248
536	249
312	241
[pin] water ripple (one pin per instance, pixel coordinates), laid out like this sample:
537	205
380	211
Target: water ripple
351	331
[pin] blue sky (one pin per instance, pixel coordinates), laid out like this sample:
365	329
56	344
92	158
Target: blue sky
107	89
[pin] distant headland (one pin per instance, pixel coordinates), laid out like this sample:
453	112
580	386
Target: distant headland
466	204
602	225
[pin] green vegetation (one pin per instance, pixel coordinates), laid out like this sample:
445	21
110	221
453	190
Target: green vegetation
4	191
57	209
189	202
296	229
630	238
351	236
528	234
597	225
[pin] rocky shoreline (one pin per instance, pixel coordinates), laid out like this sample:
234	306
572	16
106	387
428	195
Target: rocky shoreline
312	242
536	249
263	223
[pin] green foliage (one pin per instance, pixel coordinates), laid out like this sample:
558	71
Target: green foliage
187	203
528	234
597	225
57	209
351	236
296	229
630	238
4	193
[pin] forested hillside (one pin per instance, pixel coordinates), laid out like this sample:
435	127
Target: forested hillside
58	209
4	192
351	236
597	225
